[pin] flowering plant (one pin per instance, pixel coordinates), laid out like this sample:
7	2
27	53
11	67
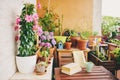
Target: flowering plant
47	40
27	28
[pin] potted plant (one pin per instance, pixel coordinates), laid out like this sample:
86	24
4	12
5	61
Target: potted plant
50	21
74	36
44	55
82	43
116	53
27	31
41	67
47	43
68	43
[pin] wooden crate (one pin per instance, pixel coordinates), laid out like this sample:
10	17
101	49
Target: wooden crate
109	65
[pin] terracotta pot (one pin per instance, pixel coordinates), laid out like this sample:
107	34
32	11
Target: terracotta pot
82	44
74	40
112	46
68	45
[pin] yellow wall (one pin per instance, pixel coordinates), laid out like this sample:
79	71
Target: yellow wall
77	14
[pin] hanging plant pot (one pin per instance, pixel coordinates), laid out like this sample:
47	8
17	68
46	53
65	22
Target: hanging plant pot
82	44
26	64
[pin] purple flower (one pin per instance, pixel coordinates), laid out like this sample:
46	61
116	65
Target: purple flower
40	32
43	37
47	45
51	33
46	33
48	37
42	44
53	42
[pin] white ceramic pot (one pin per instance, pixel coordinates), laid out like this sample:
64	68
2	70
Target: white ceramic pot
26	64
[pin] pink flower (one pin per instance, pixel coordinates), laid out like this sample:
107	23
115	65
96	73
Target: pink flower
39	6
40	32
48	37
18	20
42	44
48	45
28	18
35	22
35	27
16	27
35	16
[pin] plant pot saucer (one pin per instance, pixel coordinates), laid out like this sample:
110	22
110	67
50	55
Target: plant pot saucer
39	73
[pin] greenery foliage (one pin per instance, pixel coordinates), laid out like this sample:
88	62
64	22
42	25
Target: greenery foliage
109	24
95	33
44	53
117	55
50	21
115	41
85	35
27	38
68	32
68	39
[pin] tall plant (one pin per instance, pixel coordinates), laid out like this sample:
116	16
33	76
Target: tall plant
50	21
27	27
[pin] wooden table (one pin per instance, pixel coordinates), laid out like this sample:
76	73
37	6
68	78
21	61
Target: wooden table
98	73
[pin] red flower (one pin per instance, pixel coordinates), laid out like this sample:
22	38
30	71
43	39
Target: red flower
16	27
16	38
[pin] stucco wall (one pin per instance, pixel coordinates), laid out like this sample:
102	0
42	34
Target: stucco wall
97	16
77	14
8	11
